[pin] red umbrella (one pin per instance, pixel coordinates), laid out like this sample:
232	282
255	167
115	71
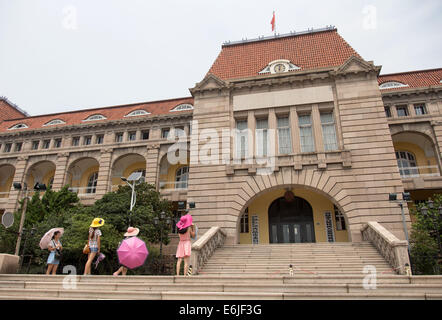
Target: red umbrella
132	253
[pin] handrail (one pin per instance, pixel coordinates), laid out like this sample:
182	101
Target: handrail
205	246
394	251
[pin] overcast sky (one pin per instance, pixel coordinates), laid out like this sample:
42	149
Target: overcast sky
59	55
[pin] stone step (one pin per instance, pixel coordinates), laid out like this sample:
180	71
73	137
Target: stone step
298	277
287	262
285	288
297	296
82	294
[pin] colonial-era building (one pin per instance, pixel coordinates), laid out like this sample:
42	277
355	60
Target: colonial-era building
288	138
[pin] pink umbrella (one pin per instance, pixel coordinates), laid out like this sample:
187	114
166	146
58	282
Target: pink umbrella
44	242
132	253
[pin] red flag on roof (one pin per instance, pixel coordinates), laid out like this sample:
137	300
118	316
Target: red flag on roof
273	21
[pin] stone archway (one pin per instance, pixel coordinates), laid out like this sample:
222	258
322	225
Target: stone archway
331	205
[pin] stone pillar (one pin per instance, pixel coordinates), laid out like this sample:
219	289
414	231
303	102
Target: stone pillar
60	170
251	125
317	129
19	176
273	125
294	131
152	164
104	172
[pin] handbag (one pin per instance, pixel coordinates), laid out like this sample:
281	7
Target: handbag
57	252
86	249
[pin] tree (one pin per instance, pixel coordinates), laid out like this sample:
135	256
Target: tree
63	209
424	248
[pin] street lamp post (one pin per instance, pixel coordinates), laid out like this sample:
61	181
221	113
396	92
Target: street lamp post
134	177
161	221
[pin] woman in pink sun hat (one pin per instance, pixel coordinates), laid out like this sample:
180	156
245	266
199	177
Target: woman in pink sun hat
185	230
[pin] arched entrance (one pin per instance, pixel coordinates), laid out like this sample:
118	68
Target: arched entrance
291	221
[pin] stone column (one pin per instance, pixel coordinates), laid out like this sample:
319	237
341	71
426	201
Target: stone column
19	176
317	129
152	164
294	131
251	125
104	172
60	170
273	125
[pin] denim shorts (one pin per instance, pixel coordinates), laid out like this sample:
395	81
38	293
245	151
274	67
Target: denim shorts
94	250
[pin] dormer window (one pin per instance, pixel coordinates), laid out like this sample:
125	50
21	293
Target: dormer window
392	84
95	117
279	66
183	106
54	122
18	126
135	113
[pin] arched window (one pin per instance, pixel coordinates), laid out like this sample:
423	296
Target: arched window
139	112
92	183
18	126
392	84
95	117
406	162
183	106
181	177
54	122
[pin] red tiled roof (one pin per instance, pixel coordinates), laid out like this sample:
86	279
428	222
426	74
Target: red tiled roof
8	111
111	113
414	79
307	51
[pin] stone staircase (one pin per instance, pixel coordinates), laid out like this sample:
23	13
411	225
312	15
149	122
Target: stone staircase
243	272
310	258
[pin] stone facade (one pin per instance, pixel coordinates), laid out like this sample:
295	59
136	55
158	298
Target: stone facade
356	176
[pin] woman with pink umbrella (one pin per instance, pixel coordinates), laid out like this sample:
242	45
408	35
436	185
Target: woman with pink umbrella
51	241
132	252
131	232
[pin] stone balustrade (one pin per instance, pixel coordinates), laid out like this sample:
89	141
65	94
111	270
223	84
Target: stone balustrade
205	246
394	251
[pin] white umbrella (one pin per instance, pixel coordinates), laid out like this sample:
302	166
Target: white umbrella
44	242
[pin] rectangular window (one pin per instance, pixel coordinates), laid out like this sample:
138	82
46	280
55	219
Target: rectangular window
119	137
402	111
75	141
261	137
306	133
339	218
8	147
132	136
420	109
35	145
145	134
99	139
18	146
245	222
241	139
387	112
87	140
46	144
284	136
329	132
57	143
165	133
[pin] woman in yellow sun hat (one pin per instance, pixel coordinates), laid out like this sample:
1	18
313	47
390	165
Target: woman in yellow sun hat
94	243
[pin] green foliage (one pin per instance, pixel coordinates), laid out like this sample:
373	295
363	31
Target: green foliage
425	253
62	209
